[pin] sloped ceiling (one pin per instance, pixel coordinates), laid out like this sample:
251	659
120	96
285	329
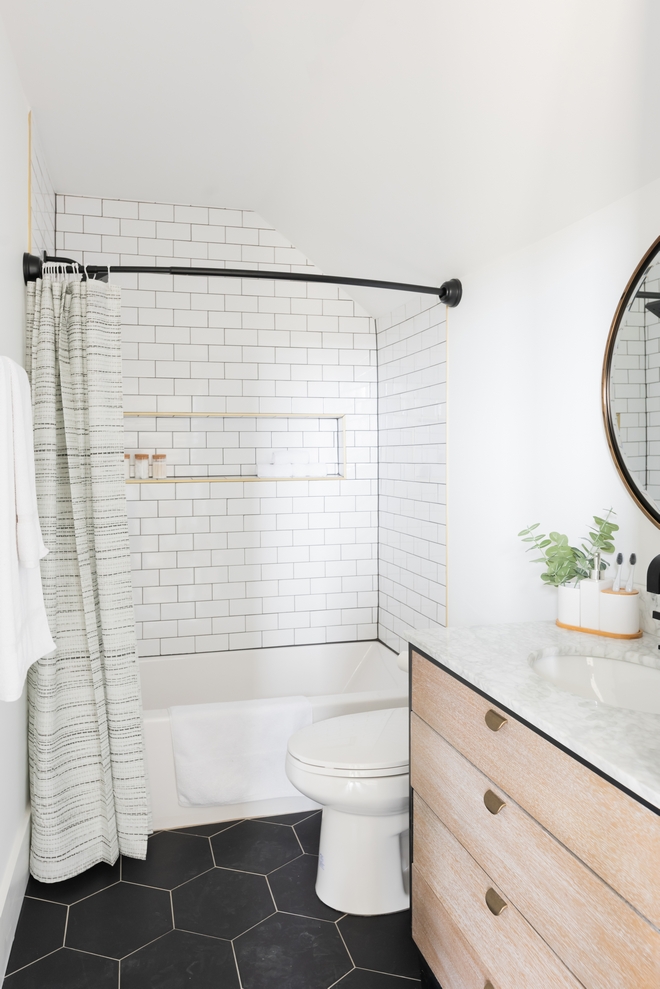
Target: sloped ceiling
403	139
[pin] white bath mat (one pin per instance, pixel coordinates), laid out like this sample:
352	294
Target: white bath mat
233	752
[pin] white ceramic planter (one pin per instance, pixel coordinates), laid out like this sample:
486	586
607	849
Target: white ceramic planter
568	605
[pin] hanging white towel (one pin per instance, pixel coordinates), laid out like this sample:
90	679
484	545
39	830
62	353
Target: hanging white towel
234	752
24	633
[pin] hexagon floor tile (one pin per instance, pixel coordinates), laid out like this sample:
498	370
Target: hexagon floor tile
79	887
256	907
118	920
172	859
40	930
66	969
181	959
255	846
222	903
293	889
295	952
383	944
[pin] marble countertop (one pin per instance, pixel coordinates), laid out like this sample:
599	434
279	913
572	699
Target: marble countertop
623	744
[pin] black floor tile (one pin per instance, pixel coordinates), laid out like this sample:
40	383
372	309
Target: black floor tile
291	952
88	882
288	818
171	859
254	846
294	892
67	969
221	903
206	830
118	920
309	832
40	930
382	944
181	959
359	978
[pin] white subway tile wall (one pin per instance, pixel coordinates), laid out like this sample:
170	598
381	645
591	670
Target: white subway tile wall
412	469
42	201
238	564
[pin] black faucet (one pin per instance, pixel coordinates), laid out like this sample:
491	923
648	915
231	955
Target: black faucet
653	581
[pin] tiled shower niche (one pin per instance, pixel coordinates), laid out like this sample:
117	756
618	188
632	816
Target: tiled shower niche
226	445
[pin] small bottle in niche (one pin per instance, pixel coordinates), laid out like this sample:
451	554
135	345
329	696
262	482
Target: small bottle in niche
127	466
141	466
159	466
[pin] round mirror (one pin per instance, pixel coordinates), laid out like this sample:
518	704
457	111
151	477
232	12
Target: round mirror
631	385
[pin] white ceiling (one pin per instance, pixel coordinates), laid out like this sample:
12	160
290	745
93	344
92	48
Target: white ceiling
402	139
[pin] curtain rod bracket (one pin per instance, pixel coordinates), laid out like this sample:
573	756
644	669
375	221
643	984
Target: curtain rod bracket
450	292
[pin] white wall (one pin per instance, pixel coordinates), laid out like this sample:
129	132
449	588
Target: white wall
412	371
526	438
242	564
13	241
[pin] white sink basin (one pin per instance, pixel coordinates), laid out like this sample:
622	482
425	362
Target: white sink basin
614	682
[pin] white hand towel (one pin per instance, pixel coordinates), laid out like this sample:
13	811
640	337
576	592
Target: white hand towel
24	633
234	752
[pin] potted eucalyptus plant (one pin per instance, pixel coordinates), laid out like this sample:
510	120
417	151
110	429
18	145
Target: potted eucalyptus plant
566	565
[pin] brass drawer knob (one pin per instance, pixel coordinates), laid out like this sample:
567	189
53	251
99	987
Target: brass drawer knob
489	985
494	720
495	903
493	803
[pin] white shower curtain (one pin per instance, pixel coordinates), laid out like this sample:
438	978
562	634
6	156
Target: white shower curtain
87	768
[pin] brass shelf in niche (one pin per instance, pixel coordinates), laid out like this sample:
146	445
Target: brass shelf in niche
240	478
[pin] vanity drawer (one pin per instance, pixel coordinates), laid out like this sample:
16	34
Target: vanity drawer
451	958
602	940
508	948
614	834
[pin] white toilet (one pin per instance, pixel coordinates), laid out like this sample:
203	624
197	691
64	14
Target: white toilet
356	766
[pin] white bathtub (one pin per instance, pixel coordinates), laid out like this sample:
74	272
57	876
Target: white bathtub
338	679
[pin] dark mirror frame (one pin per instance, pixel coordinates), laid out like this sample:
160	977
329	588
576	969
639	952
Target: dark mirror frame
651	510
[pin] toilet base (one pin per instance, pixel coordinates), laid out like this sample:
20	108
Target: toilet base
363	862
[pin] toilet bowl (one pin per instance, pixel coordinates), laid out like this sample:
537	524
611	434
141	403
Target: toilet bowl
356	767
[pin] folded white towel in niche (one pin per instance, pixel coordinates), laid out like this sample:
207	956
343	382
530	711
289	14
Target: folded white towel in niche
24	633
233	752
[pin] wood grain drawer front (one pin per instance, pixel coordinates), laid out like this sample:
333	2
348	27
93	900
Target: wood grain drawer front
450	956
602	940
507	946
614	834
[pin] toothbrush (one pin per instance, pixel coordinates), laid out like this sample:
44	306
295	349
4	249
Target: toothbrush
629	582
617	580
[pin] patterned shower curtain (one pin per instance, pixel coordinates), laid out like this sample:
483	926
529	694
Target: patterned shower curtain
87	766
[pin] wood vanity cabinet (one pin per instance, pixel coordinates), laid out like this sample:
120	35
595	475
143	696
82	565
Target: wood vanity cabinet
529	869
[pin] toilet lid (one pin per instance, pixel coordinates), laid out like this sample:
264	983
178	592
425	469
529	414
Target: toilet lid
373	740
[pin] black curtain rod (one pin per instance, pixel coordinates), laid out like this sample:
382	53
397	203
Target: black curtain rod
450	292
